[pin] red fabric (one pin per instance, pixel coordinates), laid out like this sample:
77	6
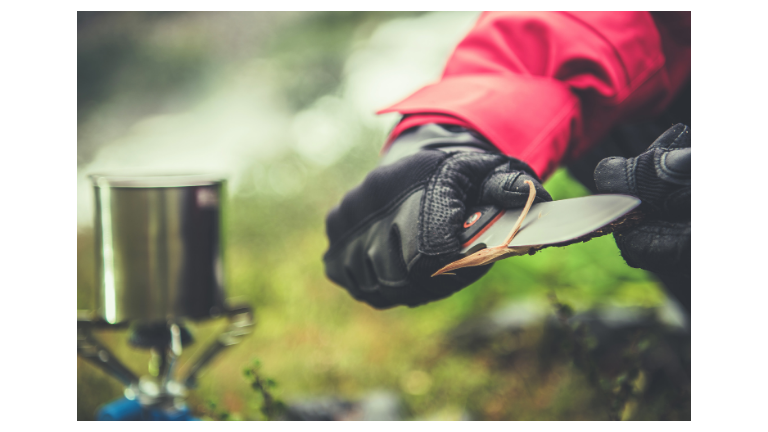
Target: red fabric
545	86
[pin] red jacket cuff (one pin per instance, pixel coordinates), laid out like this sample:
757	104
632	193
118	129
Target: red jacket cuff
529	118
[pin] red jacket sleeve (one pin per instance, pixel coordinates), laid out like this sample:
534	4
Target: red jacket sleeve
545	86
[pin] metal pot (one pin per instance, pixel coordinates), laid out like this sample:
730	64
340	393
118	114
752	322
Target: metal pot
158	247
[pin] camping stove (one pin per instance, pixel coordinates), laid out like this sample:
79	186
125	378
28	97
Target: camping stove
159	265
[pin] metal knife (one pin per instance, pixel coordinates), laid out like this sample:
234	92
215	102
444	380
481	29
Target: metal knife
546	223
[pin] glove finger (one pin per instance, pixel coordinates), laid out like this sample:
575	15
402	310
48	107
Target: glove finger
676	137
657	246
612	175
674	168
507	189
661	179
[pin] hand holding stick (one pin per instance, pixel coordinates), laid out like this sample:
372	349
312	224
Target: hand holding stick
490	255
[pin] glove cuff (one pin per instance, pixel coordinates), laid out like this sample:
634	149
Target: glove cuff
433	136
446	138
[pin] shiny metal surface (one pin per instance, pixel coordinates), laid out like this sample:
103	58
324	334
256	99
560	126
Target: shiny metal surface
556	221
240	325
158	247
91	349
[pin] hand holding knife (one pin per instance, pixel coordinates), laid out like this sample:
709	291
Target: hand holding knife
490	233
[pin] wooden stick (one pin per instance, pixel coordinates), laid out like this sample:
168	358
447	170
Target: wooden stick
528	204
489	255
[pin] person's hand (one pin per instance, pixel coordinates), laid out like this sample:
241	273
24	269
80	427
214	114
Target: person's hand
400	225
661	178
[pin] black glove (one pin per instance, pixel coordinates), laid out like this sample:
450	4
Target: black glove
392	232
661	178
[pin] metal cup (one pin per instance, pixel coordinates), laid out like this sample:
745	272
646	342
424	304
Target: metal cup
158	247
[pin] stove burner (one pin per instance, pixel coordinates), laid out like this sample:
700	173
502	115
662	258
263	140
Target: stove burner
157	335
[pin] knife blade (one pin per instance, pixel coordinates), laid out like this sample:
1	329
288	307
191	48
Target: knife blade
546	223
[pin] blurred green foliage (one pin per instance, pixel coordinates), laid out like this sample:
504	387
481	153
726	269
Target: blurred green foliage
310	335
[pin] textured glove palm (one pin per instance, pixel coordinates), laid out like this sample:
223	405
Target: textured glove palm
401	224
